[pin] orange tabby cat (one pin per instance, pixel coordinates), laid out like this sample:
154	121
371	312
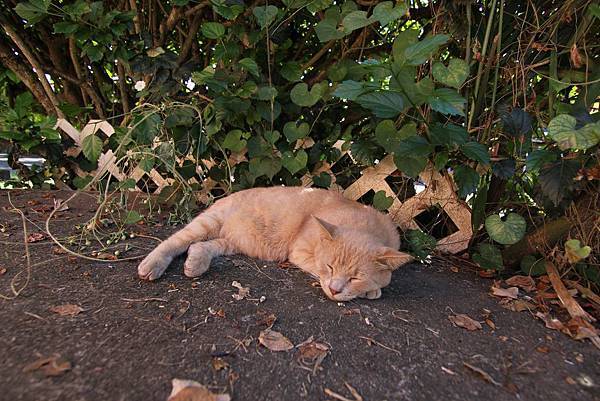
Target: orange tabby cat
351	248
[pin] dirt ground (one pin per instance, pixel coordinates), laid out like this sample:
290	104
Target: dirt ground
133	337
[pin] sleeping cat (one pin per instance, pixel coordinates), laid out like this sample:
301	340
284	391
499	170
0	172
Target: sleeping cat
351	248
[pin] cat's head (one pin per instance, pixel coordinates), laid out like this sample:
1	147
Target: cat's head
350	265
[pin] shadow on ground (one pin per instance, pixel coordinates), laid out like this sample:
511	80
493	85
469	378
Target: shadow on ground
401	347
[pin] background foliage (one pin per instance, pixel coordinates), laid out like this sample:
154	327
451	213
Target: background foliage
501	94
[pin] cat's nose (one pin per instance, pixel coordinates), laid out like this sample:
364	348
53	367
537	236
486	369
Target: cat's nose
333	291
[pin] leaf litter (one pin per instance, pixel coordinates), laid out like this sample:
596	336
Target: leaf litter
464	321
274	340
243	292
190	390
311	354
50	366
67	309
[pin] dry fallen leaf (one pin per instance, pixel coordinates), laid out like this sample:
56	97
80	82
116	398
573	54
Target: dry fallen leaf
243	292
274	340
464	321
106	256
60	206
219	364
551	323
454	269
490	323
483	374
36	237
517	305
512	292
524	282
576	58
190	390
312	353
2	270
67	309
49	366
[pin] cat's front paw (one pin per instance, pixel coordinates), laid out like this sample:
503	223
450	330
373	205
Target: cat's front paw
375	294
153	266
197	262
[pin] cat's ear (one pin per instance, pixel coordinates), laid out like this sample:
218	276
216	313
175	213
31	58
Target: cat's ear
392	259
327	230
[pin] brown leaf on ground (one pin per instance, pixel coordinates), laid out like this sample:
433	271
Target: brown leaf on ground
49	366
57	250
106	256
67	309
274	340
524	282
311	354
551	323
512	292
2	271
243	292
35	237
190	390
517	305
580	328
219	364
464	321
483	374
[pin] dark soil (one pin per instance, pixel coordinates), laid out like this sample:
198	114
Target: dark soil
400	347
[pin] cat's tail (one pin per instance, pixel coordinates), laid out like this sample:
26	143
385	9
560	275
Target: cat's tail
206	226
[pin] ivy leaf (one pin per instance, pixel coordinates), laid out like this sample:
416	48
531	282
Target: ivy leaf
508	231
328	30
454	75
294	132
364	151
418	53
448	135
132	217
322	180
411	166
385	12
234	141
356	20
562	129
414	146
146	163
476	151
305	98
404	39
533	266
267	166
467	180
213	30
92	147
420	243
249	65
504	168
350	90
265	15
291	71
294	162
488	257
538	158
383	104
272	136
447	101
381	201
556	179
389	138
517	123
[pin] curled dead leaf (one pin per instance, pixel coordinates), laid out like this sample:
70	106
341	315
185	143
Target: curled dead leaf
67	309
219	363
512	292
274	340
35	237
551	323
483	374
464	321
50	366
524	282
106	256
243	292
2	270
311	354
517	305
576	59
190	390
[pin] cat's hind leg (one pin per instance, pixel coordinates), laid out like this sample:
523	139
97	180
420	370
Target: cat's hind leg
206	226
201	253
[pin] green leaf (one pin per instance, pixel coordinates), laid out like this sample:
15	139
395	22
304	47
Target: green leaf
411	166
322	180
533	266
508	231
328	30
265	15
132	217
291	71
385	12
448	101
305	98
294	132
467	180
234	141
364	151
381	201
146	163
267	166
82	182
389	138
556	179
517	123
414	146
272	136
420	243
450	135
356	20
454	75
575	252
33	11
562	129
420	52
294	162
401	43
92	147
146	127
250	65
488	257
95	53
213	30
65	27
267	93
476	151
350	90
318	5
538	158
383	104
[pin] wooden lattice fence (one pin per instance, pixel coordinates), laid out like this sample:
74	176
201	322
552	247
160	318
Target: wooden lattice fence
437	190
